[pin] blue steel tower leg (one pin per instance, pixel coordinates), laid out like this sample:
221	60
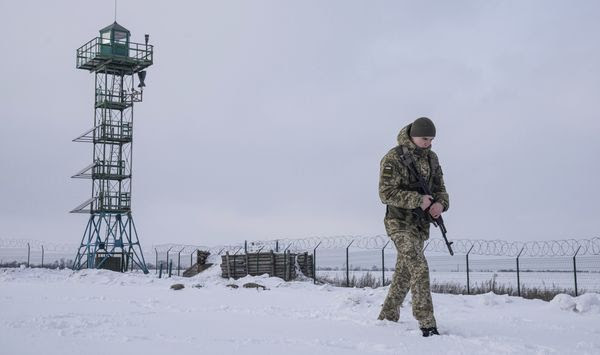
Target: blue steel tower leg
114	237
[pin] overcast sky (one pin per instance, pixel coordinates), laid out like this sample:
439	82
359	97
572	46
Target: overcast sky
268	119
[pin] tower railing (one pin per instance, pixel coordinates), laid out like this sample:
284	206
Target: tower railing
108	132
112	202
110	170
95	53
114	131
118	96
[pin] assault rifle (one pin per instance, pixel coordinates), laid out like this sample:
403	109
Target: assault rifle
409	162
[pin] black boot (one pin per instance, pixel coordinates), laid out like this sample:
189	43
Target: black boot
430	331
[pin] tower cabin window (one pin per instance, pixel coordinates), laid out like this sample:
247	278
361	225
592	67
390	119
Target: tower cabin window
106	37
120	37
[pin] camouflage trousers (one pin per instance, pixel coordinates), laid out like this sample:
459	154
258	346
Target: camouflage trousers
411	273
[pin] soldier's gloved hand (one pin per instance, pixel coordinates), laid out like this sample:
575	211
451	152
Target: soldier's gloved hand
436	210
426	202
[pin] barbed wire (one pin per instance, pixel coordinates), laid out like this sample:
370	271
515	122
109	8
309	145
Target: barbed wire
185	249
567	247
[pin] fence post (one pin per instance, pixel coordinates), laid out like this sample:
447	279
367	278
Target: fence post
168	257
383	264
575	269
518	274
156	264
42	256
179	261
160	270
28	254
468	284
170	268
315	263
246	246
348	265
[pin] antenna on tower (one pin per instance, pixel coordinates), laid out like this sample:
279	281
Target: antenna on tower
115	10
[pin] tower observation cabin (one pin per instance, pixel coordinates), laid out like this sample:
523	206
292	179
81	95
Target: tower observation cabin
110	239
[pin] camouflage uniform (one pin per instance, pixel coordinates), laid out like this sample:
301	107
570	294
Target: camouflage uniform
399	191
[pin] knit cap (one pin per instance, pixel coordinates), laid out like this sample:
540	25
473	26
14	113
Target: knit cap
422	127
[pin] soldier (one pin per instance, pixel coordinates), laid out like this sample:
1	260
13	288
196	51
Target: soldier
398	189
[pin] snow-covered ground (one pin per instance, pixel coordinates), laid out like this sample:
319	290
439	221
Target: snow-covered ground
97	312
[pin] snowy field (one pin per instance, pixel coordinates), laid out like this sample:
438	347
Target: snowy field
98	312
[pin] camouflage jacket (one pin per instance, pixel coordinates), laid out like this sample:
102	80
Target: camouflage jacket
399	191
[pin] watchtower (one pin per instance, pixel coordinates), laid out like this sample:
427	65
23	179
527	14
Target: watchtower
110	239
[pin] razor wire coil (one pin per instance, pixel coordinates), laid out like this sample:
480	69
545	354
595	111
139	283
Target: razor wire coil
551	248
